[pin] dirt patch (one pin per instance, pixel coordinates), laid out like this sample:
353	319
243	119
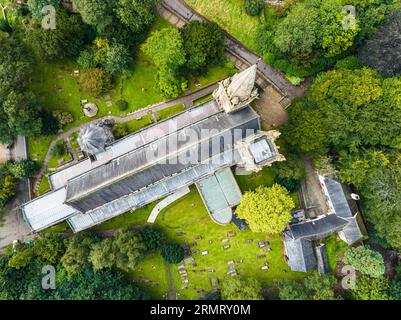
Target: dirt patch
3	153
272	114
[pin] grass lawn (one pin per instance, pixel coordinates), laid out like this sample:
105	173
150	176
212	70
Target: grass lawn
335	248
214	73
231	16
152	276
44	186
38	147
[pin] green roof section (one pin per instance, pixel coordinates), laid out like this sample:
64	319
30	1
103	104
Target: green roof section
220	193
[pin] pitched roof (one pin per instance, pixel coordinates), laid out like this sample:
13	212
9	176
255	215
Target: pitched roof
321	255
317	228
242	83
344	206
299	253
134	170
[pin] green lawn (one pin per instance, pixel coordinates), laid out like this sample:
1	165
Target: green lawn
231	16
335	248
214	73
44	186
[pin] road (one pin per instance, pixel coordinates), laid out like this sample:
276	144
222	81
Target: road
12	224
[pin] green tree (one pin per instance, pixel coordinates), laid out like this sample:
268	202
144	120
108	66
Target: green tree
138	15
152	238
365	260
165	47
24	168
49	249
36	6
20	259
23	112
204	44
236	288
314	287
65	41
266	209
103	255
97	13
58	150
254	7
172	252
130	249
86	59
8	186
367	288
117	59
76	257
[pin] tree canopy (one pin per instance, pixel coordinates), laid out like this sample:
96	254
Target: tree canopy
266	209
365	260
236	288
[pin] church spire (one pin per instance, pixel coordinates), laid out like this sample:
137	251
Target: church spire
238	91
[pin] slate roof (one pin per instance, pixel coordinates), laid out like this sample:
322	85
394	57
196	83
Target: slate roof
317	228
299	252
239	223
133	171
321	255
343	204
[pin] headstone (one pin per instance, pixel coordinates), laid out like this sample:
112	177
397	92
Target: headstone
204	253
225	240
198	238
230	262
226	246
231	234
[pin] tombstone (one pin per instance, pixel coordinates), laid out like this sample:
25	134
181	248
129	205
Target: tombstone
225	240
202	270
182	271
189	260
231	234
249	240
195	251
109	103
264	268
185	281
210	271
184	276
210	241
240	261
226	246
194	244
230	262
268	249
261	256
261	245
204	253
198	238
181	266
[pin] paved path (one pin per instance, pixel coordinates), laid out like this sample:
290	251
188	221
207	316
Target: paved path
178	13
186	100
166	202
171	291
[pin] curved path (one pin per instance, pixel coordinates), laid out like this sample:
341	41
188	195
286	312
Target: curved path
186	100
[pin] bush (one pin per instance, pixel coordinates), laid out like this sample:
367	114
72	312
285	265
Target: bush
291	185
120	130
122	105
8	184
365	260
350	63
172	252
64	118
253	7
152	238
86	59
58	150
95	81
24	168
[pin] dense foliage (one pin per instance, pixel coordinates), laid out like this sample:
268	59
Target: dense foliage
95	81
236	288
365	260
254	7
314	287
266	209
204	45
172	252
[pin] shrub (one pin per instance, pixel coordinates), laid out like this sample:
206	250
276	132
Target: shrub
24	168
152	238
122	105
120	130
95	81
86	59
253	7
291	185
365	260
64	118
172	252
58	150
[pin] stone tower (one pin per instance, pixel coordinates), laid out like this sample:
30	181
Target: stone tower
236	92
